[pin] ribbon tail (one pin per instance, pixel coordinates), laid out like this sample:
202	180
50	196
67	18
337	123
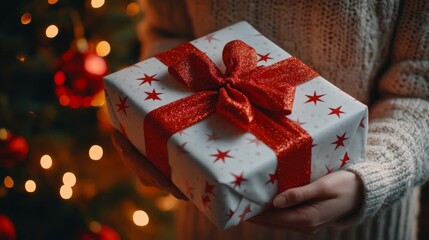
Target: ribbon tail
292	145
160	124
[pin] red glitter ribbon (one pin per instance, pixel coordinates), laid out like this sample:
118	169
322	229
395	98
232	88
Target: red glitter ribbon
254	98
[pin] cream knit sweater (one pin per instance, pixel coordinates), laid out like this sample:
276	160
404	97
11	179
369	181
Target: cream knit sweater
375	50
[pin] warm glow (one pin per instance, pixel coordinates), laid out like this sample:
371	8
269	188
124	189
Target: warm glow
133	9
26	18
95	152
95	226
64	100
59	78
140	218
102	49
66	192
95	65
8	182
52	31
167	203
30	186
82	44
97	3
21	58
69	179
3	134
52	1
98	100
46	161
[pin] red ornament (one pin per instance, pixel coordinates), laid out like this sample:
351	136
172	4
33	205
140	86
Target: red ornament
79	78
12	148
7	230
105	233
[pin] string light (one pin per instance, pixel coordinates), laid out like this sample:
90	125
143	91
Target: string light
30	186
166	203
133	9
95	64
97	3
140	218
51	31
96	152
3	134
102	49
52	1
95	226
26	18
66	192
46	161
8	182
64	100
69	179
21	58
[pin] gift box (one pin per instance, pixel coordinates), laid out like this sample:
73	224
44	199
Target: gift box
232	120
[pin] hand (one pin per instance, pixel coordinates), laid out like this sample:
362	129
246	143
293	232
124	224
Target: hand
147	172
308	208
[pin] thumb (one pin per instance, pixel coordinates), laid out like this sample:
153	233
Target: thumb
296	196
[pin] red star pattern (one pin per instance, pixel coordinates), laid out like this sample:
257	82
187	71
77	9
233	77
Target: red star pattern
122	106
209	188
361	124
340	140
182	133
238	179
344	160
329	170
212	137
256	141
206	201
273	178
245	211
299	123
229	214
337	111
123	131
147	79
181	149
264	57
315	98
221	155
210	38
152	95
188	189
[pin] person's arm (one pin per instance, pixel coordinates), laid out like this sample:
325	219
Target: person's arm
397	158
398	140
165	25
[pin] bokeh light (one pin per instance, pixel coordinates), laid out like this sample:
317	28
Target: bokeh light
133	9
69	179
8	182
102	49
46	161
51	31
167	203
30	186
97	3
95	65
52	1
26	18
66	192
96	152
140	218
3	134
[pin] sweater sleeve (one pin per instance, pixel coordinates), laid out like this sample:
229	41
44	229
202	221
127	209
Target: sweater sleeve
397	158
165	25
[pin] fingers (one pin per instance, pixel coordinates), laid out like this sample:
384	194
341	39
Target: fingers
146	171
297	195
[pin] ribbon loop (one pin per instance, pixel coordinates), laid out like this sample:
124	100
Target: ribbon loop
238	58
235	106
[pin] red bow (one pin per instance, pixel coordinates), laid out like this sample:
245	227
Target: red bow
254	98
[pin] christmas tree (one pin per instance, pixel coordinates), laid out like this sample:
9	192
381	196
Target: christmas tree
60	177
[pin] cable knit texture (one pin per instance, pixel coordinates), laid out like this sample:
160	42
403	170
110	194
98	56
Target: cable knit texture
377	51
